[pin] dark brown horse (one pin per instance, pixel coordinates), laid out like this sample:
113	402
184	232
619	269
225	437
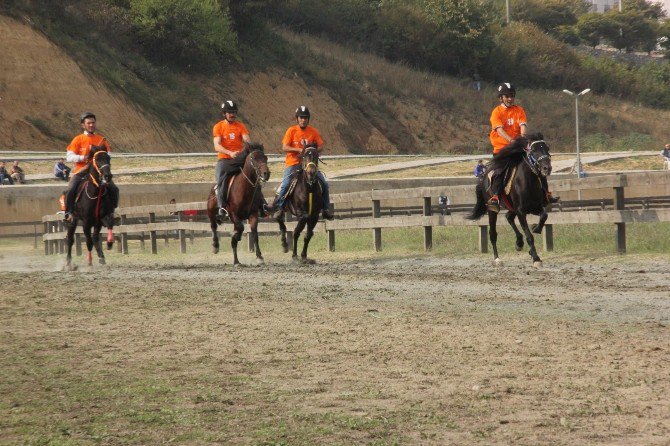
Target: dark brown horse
245	199
94	204
305	203
529	160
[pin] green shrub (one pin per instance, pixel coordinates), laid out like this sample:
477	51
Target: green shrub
185	32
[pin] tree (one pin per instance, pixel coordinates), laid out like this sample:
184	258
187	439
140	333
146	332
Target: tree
185	32
593	27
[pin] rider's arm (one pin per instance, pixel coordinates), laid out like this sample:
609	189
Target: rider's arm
524	128
503	134
220	149
286	148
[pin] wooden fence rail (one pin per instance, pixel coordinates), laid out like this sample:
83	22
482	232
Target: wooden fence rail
175	222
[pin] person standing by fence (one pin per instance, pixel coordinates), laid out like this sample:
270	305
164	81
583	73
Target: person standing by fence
665	153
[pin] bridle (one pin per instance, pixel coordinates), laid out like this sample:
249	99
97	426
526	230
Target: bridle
257	172
533	162
311	161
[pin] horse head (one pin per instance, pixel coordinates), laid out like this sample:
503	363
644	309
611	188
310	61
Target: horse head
537	155
101	162
258	161
310	162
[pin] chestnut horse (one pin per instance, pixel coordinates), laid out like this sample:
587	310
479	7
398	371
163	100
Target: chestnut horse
93	205
529	159
245	199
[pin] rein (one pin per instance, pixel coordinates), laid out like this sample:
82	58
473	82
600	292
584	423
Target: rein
254	184
101	190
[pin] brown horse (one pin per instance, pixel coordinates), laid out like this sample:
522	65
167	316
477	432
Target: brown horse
95	203
305	203
245	199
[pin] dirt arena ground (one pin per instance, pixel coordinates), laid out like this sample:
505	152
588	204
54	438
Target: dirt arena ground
416	350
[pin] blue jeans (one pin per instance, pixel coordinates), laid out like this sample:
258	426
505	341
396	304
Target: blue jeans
287	180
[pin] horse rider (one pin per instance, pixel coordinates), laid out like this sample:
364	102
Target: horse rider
229	138
508	122
77	153
295	139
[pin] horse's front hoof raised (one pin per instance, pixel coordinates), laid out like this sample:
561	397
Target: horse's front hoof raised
537	264
536	229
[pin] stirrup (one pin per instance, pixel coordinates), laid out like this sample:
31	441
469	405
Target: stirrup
68	217
493	204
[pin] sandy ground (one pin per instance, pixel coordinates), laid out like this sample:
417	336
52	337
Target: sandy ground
421	350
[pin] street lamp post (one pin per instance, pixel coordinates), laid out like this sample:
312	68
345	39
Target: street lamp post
507	10
577	95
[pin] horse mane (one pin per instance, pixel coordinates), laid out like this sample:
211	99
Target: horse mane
251	146
513	152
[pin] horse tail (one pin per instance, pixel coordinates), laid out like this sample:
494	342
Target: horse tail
480	206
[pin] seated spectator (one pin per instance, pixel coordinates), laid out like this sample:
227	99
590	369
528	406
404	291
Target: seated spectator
665	153
17	173
61	170
479	168
4	175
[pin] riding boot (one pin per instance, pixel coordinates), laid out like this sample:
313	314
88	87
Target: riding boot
70	197
545	187
496	186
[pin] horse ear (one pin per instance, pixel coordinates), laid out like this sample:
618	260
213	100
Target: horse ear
539	136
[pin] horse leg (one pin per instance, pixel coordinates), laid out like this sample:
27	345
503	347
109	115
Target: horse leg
493	235
253	226
519	237
98	244
282	229
296	236
537	229
70	241
308	236
215	235
537	262
89	243
236	237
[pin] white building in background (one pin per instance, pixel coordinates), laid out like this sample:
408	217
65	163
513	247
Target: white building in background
606	5
603	5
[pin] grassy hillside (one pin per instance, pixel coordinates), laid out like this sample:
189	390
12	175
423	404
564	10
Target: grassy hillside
362	103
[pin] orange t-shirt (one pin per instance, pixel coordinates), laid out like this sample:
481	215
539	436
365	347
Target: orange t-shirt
510	119
295	136
231	136
81	145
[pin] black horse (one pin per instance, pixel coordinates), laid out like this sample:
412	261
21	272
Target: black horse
526	162
305	202
245	199
93	206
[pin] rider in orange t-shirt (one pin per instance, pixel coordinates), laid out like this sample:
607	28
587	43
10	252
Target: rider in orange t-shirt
229	136
508	122
295	139
77	153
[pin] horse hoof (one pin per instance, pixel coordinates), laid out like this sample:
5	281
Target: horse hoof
497	261
285	247
101	261
238	265
260	261
536	229
306	261
109	245
537	264
215	250
519	247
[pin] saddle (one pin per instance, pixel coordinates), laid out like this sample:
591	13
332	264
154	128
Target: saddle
292	184
508	179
